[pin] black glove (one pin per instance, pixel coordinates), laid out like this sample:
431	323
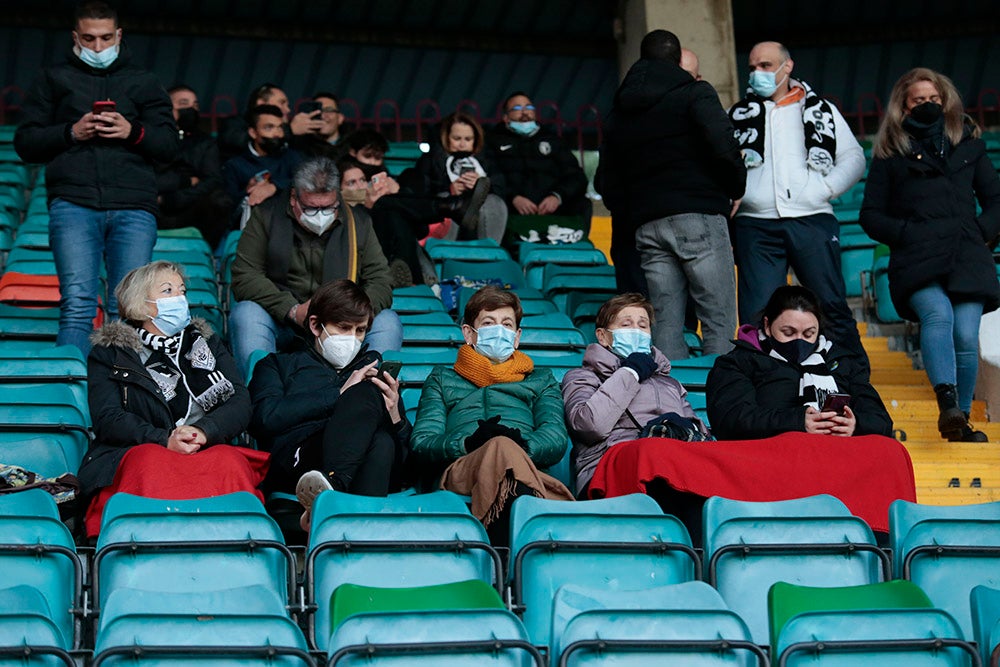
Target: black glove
643	364
491	428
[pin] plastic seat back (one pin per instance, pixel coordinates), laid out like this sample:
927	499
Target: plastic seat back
689	621
890	623
184	546
623	543
28	635
351	599
986	621
808	541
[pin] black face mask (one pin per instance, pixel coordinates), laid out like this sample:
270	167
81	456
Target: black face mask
187	119
272	145
795	351
926	113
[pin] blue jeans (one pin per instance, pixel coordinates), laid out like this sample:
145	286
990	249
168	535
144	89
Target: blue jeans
949	340
80	238
689	254
252	328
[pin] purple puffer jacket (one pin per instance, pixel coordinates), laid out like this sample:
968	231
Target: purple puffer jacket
597	395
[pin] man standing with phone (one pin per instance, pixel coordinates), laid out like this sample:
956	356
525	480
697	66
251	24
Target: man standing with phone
98	122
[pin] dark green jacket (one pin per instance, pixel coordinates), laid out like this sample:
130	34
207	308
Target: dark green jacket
451	407
253	282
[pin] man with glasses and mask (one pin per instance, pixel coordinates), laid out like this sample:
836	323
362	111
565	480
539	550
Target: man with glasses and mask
542	176
190	187
98	122
800	154
292	244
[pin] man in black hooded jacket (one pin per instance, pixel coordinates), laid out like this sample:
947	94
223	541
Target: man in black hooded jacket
670	170
99	122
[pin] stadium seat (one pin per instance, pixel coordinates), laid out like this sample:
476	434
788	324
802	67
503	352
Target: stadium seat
415	299
505	270
37	550
688	622
857	253
622	543
535	257
809	541
401	540
532	301
418	365
244	625
891	624
947	551
429	332
550	334
479	250
351	599
560	281
184	546
28	635
876	286
986	622
46	429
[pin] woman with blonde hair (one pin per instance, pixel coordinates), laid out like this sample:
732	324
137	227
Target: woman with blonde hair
930	170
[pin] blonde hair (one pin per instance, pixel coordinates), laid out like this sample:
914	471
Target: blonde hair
893	139
134	288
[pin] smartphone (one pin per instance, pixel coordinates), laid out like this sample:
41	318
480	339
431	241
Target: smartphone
466	170
103	106
262	175
376	178
310	107
836	403
391	367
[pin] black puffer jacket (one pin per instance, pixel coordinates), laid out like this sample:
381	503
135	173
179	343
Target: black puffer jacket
433	170
198	157
127	407
669	148
752	395
537	166
104	174
924	209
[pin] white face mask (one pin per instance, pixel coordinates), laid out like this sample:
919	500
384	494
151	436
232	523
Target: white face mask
319	221
339	349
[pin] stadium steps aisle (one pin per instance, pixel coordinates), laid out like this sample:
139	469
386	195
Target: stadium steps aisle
937	464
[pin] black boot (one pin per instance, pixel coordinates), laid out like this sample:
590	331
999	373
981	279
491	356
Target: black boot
951	419
967	433
464	208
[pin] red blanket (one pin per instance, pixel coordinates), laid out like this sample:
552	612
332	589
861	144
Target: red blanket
866	472
153	471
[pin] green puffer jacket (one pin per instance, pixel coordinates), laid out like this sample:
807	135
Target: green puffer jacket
451	407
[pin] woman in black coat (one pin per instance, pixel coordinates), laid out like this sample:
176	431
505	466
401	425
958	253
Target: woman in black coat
929	171
326	413
775	379
164	392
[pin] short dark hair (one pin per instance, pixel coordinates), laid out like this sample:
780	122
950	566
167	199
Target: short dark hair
791	297
661	45
94	9
261	92
262	110
326	95
179	87
349	162
340	301
516	93
609	310
367	138
491	298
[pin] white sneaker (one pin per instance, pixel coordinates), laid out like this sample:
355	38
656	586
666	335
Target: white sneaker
310	485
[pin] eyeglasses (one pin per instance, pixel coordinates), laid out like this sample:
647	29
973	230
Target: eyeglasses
316	210
330	110
521	107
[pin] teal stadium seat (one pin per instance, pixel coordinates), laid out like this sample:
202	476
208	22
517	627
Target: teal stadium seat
429	332
534	257
808	541
477	250
878	288
986	622
505	270
624	544
415	299
28	635
401	156
947	551
398	541
560	281
46	429
688	622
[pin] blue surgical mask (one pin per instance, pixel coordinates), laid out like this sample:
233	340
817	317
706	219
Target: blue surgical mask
495	342
172	314
764	83
524	127
627	341
99	59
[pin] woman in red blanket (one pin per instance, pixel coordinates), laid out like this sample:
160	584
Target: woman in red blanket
163	391
780	374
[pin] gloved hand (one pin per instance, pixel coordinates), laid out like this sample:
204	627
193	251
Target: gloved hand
491	428
643	364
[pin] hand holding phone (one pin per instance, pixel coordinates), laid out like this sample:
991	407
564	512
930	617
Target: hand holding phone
836	403
262	175
391	368
104	106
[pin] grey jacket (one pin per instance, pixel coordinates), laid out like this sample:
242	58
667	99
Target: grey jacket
597	395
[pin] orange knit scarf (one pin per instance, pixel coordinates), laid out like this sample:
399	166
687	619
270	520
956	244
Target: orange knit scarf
481	372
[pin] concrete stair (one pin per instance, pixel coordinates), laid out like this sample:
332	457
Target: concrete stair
937	463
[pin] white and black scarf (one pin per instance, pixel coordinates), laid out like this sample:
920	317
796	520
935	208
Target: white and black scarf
817	120
184	369
816	377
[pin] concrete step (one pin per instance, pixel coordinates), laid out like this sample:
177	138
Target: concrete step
943	453
909	376
926	410
940	475
889	392
957	496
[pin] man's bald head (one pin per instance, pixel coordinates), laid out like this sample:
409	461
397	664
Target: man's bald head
689	63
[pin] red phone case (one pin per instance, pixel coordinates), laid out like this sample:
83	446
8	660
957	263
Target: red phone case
102	106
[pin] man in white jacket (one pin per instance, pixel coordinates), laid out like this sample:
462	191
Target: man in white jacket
800	154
